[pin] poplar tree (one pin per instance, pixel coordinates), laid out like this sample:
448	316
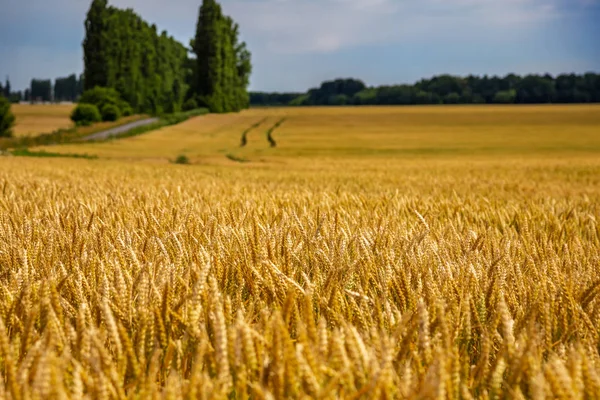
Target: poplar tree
7	118
222	64
7	89
228	67
243	69
209	57
94	45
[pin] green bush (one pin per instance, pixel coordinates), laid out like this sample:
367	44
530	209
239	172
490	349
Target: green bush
85	114
101	96
182	159
110	112
190	104
7	118
125	108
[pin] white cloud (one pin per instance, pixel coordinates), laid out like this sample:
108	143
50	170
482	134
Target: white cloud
294	26
322	26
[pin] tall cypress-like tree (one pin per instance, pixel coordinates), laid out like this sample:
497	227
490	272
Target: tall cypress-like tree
7	118
7	89
94	46
228	67
65	88
243	69
222	64
41	90
80	85
208	50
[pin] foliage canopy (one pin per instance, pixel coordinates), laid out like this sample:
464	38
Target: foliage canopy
7	118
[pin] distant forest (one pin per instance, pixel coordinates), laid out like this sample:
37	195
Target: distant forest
445	89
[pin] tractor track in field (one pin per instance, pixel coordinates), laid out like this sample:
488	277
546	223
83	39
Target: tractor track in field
244	139
270	138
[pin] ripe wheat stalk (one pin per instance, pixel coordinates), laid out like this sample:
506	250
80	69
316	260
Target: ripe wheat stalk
142	289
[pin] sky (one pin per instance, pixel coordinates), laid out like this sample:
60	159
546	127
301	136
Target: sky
297	44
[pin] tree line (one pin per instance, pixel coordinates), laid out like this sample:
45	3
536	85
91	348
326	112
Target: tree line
273	99
67	88
156	74
124	52
8	94
446	89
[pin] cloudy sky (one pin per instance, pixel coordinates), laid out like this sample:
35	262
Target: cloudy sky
296	44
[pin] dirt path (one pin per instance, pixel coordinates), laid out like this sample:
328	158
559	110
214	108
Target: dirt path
119	129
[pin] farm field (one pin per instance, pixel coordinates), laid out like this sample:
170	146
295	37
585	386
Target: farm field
424	252
35	119
382	132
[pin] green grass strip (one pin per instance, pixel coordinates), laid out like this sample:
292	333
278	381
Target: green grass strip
45	154
235	158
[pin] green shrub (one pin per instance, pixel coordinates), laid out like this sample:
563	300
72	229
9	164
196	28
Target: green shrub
101	96
125	108
45	154
85	114
182	159
7	118
110	112
190	104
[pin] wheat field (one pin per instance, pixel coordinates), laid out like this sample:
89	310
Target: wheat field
324	273
35	119
360	132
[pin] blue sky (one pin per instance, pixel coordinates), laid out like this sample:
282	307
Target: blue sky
296	44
